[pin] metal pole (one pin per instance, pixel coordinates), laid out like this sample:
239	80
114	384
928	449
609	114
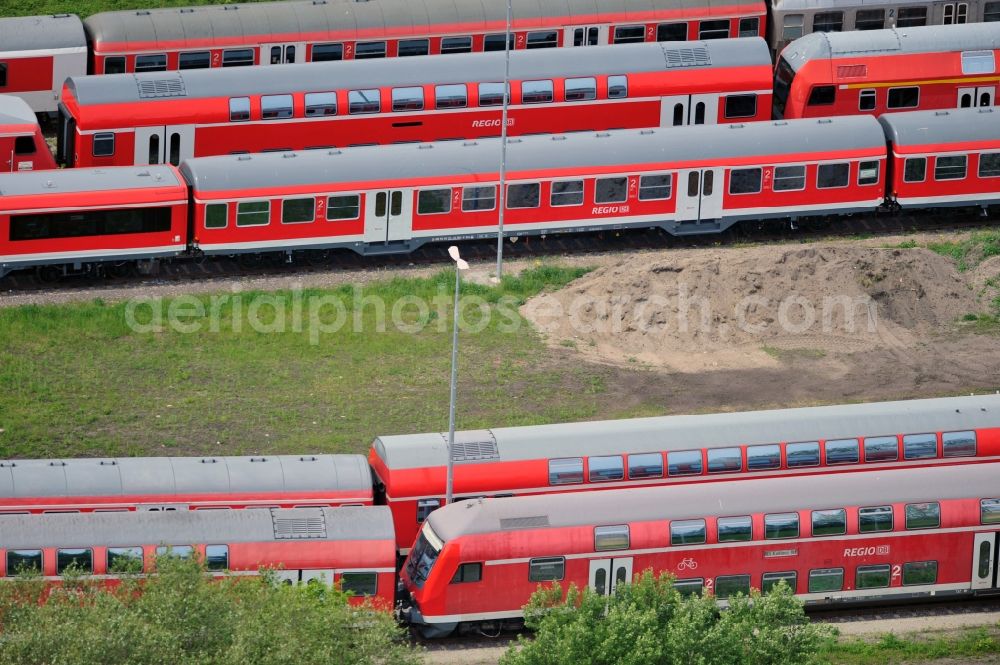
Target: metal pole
454	381
501	199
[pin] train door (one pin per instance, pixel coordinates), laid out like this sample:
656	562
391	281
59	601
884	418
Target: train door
984	561
324	577
282	54
164	145
586	35
388	215
689	110
976	97
699	195
607	574
954	13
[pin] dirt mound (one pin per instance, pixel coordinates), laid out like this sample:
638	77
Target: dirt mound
740	308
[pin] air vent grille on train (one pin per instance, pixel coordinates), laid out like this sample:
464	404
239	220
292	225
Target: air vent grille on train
687	57
852	71
511	523
306	523
466	451
152	88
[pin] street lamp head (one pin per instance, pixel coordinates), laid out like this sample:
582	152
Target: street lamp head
459	261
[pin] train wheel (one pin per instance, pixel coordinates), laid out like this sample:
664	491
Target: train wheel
250	260
48	274
319	257
120	269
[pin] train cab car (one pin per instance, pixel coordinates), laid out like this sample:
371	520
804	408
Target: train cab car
274	33
183	483
154	118
410	470
38	53
838	538
886	71
75	220
22	146
352	547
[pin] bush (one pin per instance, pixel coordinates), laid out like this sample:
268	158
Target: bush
650	622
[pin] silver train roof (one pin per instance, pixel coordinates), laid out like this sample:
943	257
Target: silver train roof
15	111
67	181
568	152
194	527
773	495
422	70
31	33
951	126
833	5
892	41
640	435
173	475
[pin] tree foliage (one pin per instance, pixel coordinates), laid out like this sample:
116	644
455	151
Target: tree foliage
649	622
181	616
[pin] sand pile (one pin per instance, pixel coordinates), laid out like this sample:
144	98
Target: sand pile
740	308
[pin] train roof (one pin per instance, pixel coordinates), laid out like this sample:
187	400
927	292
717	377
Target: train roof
15	111
936	127
773	495
173	475
892	41
195	527
32	33
426	70
67	181
640	435
565	153
362	20
833	5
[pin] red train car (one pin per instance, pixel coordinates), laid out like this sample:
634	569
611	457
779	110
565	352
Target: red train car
833	538
183	483
38	53
680	450
352	547
22	146
886	71
944	158
83	218
168	117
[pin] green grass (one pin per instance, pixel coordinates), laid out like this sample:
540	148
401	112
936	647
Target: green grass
85	8
969	252
890	648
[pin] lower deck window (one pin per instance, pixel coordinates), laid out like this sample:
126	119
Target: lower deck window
523	196
76	560
468	572
833	175
124	560
731	585
950	168
871	577
771	580
179	551
434	202
915	169
23	561
920	572
655	187
822	580
253	213
989	165
690	586
359	584
546	569
43	226
217	557
479	198
744	181
343	207
104	145
904	98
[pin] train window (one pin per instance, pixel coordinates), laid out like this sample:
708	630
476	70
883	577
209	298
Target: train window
327	52
687	532
822	95
991	12
178	551
239	109
868	173
735	529
23	561
364	101
692	586
468	572
951	167
496	42
298	211
803	453
611	190
566	471
842	451
833	175
343	206
321	104
867	100
253	213
829	522
542	39
792	27
731	585
645	465
607	538
684	463
629	34
672	32
789	178
923	515
195	60
567	193
237	57
617	87
869	19
826	579
216	215
425	507
275	107
479	198
717	29
749	27
655	187
217	557
603	469
911	16
904	98
920	572
919	446
989	511
828	22
408	47
359	584
24	145
456	45
724	460
745	181
104	144
989	165
452	96
958	444
546	569
771	580
915	169
491	94
89	223
763	457
434	202
536	92
408	99
881	449
124	560
525	195
871	577
741	106
582	89
368	50
781	525
151	63
876	518
114	65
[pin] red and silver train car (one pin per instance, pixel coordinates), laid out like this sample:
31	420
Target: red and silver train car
833	538
168	117
22	146
352	547
270	33
944	158
38	53
183	483
85	217
885	71
678	450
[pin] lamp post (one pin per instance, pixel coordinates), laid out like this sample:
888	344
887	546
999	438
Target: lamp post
460	265
501	198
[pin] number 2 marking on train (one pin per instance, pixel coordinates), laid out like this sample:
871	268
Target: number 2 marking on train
896	570
320	202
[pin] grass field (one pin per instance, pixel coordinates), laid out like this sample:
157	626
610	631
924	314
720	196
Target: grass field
85	8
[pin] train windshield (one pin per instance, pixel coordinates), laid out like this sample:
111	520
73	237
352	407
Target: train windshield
783	75
423	555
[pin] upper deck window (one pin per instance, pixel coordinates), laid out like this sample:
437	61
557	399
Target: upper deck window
715	29
869	19
327	52
630	34
368	50
919	446
911	16
151	63
242	57
195	60
408	47
542	39
672	32
566	471
828	22
456	45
